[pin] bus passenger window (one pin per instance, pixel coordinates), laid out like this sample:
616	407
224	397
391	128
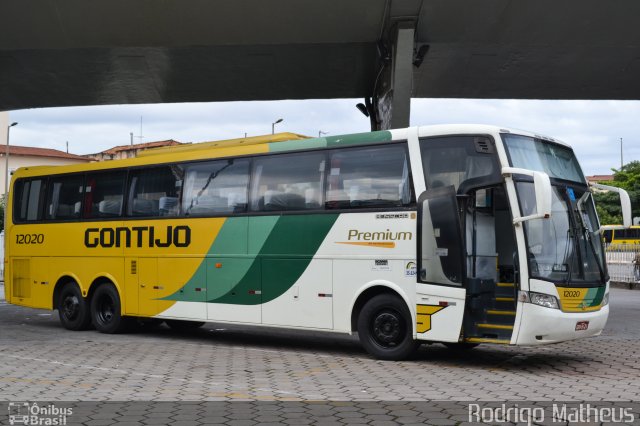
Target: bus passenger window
103	194
369	177
216	188
28	201
464	162
155	191
64	197
288	182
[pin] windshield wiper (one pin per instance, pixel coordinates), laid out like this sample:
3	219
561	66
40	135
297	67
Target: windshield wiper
212	176
575	231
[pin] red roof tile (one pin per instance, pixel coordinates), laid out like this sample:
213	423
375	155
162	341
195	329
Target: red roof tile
597	178
40	152
145	145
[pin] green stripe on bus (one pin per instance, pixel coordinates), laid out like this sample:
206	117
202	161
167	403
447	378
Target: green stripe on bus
359	138
285	255
332	141
594	296
280	249
229	248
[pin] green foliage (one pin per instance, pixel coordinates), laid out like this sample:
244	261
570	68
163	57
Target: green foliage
608	204
608	207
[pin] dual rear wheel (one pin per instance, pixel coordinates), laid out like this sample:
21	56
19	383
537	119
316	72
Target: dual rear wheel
103	311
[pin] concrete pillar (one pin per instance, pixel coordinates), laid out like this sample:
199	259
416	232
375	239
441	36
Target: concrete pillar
392	100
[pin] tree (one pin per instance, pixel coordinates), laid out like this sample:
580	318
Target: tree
608	204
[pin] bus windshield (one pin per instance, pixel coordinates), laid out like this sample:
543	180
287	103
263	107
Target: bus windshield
565	248
533	154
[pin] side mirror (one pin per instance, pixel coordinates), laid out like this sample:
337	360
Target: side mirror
543	190
625	203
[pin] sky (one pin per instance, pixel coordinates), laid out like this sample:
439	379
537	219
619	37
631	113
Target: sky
592	128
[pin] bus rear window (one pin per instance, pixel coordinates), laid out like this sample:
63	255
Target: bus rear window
27	205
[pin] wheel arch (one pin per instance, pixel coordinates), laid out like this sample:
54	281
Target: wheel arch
105	279
374	289
61	282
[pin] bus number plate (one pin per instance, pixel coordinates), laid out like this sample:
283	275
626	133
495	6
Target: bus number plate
582	325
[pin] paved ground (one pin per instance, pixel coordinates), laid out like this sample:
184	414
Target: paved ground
274	370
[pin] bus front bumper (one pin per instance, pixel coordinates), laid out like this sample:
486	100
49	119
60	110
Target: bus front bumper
540	325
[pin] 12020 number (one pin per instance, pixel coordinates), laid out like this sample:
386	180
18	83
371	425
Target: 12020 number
29	238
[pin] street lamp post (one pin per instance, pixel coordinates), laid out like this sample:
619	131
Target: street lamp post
6	163
273	125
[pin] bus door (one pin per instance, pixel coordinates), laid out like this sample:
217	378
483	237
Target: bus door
440	303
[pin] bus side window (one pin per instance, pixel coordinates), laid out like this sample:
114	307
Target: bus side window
369	177
215	188
64	197
607	235
29	200
288	182
155	191
103	194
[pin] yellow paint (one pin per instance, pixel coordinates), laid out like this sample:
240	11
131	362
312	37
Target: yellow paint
496	312
252	140
380	244
63	253
573	300
485	340
495	326
423	316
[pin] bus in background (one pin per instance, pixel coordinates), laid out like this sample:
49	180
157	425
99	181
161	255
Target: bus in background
622	236
461	234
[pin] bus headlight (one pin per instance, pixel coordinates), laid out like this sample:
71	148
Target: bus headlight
545	300
605	301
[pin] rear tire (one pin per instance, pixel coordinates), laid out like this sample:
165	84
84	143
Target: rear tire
73	309
106	312
180	325
385	328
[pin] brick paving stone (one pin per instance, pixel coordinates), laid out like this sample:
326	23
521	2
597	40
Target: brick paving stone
241	364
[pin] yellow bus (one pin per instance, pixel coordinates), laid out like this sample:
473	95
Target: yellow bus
622	236
461	234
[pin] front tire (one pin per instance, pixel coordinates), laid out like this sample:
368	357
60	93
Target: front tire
385	328
73	309
106	312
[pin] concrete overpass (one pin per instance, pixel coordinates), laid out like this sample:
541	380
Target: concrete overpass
78	52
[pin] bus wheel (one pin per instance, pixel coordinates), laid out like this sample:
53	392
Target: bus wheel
106	310
385	329
73	309
184	325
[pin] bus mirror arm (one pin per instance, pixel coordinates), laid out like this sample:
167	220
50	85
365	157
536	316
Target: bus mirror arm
625	203
543	191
